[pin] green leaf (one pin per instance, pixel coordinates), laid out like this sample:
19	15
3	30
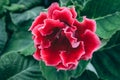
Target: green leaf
90	67
103	42
21	5
108	25
26	18
19	41
95	8
9	25
14	66
3	34
64	2
2	4
79	5
30	3
107	60
87	75
29	50
15	7
13	1
79	70
51	73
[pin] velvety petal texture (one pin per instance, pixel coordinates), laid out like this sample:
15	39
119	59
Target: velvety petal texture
61	40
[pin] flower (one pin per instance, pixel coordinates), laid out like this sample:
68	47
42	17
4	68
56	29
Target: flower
61	40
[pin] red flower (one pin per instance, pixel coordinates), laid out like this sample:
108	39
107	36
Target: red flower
61	40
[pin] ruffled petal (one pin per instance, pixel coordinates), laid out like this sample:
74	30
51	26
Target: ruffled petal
36	35
74	14
89	24
70	36
50	24
54	6
69	67
72	56
45	43
64	16
86	24
37	55
50	56
39	20
39	39
91	42
61	67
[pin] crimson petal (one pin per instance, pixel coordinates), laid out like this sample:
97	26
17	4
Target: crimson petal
38	20
85	24
45	43
37	55
50	24
54	6
91	42
64	16
73	55
50	56
74	14
36	35
39	39
62	67
69	34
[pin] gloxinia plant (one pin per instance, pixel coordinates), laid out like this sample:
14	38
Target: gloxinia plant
61	40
